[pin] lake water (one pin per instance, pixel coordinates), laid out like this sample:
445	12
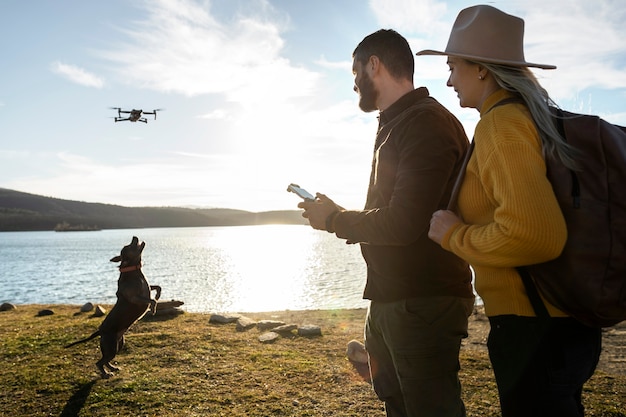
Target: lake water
211	269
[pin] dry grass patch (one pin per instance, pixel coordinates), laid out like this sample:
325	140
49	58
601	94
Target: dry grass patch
185	366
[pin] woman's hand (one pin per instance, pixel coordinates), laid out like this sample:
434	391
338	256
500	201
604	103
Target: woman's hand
440	223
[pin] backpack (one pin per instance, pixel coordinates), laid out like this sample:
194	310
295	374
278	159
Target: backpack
588	279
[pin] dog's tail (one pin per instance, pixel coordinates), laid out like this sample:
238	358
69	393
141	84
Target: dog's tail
94	335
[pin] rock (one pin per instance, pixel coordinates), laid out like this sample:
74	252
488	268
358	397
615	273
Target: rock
167	312
245	323
268	337
166	305
287	328
167	309
269	324
309	330
7	307
100	311
224	318
87	307
46	312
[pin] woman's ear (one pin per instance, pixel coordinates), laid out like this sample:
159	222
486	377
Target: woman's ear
482	72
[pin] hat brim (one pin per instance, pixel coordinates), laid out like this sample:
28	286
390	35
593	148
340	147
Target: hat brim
487	60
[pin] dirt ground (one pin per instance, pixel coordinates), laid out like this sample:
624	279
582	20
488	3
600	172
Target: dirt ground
612	359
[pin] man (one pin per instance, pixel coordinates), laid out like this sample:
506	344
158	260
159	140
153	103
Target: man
420	295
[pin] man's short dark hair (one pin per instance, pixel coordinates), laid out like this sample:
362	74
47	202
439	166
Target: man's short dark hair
391	48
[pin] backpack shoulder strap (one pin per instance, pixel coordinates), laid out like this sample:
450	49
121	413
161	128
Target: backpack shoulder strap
454	196
533	294
459	179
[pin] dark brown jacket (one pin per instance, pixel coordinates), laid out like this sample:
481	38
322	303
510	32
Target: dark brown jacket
416	160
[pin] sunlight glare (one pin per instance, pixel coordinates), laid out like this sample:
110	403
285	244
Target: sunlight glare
261	274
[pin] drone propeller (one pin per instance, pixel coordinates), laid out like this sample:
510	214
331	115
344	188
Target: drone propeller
154	112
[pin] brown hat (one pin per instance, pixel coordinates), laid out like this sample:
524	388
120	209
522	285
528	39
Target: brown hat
486	34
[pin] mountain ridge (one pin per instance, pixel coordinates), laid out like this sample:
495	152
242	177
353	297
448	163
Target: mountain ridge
21	211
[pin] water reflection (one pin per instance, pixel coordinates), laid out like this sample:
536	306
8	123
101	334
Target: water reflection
246	268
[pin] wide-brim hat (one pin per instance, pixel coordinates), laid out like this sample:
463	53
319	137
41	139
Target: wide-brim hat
486	34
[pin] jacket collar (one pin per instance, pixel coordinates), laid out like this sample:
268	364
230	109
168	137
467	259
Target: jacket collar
402	104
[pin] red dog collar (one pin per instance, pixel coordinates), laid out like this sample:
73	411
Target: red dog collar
130	268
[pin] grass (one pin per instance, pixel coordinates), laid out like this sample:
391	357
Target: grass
185	366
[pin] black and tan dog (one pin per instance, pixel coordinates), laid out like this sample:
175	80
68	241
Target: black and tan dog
133	301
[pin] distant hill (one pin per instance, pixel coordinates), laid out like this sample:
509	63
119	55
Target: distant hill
29	212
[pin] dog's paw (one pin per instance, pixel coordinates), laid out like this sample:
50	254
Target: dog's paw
104	374
112	368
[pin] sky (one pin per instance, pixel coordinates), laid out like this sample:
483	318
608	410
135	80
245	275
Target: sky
256	94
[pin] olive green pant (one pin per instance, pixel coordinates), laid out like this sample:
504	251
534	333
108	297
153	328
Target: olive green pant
413	347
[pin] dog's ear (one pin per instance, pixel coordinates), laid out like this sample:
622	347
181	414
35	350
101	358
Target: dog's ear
118	258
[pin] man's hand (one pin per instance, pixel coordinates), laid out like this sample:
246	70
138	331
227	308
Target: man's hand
440	223
317	211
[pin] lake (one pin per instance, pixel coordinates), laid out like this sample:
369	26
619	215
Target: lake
211	269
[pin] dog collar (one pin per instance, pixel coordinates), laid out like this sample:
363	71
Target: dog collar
130	268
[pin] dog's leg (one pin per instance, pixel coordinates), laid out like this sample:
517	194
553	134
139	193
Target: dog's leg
103	372
108	347
120	345
158	291
111	367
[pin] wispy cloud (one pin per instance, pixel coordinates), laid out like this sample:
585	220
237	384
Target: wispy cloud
585	44
415	16
217	114
181	48
77	75
340	65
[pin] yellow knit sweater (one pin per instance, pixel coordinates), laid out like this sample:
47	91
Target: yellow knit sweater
511	215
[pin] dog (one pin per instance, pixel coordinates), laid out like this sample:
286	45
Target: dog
133	302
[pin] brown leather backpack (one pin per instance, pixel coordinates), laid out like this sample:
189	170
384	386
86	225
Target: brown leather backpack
588	279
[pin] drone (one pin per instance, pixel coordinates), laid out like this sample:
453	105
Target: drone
134	115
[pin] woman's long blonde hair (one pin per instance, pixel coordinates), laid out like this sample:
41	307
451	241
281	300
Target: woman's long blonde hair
523	83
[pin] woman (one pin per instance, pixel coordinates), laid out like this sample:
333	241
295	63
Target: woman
508	216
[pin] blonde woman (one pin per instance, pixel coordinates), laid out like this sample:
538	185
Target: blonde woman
508	216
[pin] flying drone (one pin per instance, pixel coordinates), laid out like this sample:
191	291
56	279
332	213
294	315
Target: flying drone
134	115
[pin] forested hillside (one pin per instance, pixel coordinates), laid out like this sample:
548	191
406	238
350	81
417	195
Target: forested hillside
25	212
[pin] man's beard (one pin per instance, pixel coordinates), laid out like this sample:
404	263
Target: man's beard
368	94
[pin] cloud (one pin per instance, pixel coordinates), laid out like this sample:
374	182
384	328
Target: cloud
217	114
415	16
77	75
340	65
583	61
181	48
584	41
